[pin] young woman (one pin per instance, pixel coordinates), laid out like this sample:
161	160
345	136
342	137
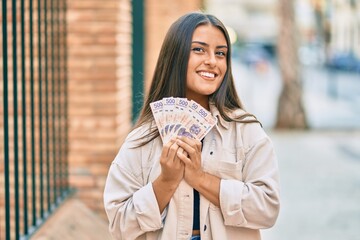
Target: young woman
223	187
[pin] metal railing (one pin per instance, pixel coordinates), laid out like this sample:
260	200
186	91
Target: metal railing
33	154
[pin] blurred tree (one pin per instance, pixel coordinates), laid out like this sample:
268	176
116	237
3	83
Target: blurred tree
291	113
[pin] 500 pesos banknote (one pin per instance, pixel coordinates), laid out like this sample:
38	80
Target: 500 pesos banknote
181	117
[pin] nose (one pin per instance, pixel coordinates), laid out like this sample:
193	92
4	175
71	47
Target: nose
211	60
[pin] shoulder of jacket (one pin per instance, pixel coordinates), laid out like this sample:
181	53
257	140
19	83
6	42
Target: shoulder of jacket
242	114
138	135
139	132
249	133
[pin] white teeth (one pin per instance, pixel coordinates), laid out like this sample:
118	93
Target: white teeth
207	74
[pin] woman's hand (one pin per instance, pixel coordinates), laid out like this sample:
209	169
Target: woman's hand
206	184
172	172
172	168
191	157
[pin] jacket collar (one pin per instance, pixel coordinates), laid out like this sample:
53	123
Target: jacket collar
215	112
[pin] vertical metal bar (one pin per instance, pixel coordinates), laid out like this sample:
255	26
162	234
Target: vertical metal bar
23	103
15	112
66	97
6	123
47	108
63	55
32	95
40	113
59	95
137	56
54	147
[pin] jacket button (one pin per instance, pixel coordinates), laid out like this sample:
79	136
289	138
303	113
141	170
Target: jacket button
204	228
211	153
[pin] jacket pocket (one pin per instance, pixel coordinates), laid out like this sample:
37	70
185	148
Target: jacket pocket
227	164
229	170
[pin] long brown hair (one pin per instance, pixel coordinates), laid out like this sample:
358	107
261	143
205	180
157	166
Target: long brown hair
169	78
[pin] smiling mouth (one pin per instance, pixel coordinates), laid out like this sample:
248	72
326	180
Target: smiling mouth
207	74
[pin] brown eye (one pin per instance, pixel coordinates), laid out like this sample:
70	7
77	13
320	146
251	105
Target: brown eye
221	54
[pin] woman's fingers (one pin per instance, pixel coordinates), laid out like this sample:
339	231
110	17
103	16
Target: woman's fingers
166	147
172	151
191	146
172	168
182	155
191	158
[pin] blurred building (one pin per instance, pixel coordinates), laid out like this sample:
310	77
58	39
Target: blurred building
331	25
252	20
345	26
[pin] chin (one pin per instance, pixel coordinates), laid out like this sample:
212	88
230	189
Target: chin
207	93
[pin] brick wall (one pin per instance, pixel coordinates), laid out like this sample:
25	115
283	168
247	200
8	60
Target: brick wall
99	40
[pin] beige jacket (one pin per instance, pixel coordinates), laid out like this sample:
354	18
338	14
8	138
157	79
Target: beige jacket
240	154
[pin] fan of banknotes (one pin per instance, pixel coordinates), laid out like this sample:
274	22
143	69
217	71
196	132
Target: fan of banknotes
181	117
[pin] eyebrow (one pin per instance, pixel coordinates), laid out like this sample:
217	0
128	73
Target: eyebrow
205	44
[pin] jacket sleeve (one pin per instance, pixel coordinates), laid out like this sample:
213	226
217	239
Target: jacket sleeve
130	203
253	202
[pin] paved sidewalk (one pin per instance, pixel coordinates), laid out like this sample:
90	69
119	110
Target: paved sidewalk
73	221
320	186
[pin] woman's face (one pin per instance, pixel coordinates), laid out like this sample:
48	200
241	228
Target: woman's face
207	62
